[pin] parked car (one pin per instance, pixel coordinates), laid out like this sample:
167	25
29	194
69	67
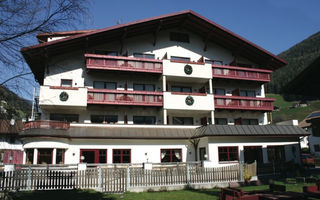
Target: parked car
307	160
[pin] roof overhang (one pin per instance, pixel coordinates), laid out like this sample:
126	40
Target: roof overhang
37	55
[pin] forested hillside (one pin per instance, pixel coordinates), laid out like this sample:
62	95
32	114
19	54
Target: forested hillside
11	105
298	57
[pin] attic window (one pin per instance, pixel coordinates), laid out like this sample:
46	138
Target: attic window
103	52
178	58
244	65
143	55
179	37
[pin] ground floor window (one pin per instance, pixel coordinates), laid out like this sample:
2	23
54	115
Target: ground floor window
45	156
144	120
121	155
60	156
171	155
276	154
93	155
221	121
182	120
250	122
29	156
104	119
316	147
228	154
253	153
202	153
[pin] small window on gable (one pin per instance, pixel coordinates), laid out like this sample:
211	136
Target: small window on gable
144	55
177	58
215	62
179	37
66	83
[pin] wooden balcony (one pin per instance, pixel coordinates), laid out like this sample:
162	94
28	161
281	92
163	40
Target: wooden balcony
243	103
241	73
125	97
122	63
47	125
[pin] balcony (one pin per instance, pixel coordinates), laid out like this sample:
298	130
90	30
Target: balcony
241	73
125	97
47	125
243	103
122	63
182	101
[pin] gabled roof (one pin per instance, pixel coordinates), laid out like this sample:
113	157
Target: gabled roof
167	133
189	20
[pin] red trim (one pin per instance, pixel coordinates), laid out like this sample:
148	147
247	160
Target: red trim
189	93
244	98
187	62
122	58
125	91
241	68
49	124
121	154
171	154
63	88
228	153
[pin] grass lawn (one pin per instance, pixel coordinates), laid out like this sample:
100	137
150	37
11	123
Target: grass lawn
210	194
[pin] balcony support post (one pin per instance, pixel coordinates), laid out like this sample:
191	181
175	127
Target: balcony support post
210	86
35	156
212	116
165	117
164	84
54	155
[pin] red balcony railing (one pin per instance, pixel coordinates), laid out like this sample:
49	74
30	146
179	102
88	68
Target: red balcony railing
241	73
47	125
122	63
243	103
125	97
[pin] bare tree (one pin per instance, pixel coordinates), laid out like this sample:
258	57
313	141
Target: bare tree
20	20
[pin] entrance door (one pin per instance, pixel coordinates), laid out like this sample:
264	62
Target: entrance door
93	155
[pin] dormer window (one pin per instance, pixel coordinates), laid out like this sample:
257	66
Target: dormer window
179	37
66	83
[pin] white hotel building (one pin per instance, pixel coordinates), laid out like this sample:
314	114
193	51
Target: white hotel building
173	88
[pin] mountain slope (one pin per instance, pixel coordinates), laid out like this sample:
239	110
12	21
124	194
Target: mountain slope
13	105
299	57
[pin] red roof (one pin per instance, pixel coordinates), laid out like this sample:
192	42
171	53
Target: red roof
185	19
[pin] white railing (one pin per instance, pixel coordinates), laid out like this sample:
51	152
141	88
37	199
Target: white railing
114	178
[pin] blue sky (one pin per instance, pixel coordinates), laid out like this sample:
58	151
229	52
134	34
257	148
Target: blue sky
275	25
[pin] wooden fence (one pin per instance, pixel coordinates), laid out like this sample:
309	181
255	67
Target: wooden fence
114	178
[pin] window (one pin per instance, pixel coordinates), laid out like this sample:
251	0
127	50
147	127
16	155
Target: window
29	156
276	154
218	91
104	85
66	83
179	37
104	119
316	147
228	153
143	87
202	153
64	117
250	122
121	155
60	156
103	52
315	128
144	55
45	156
215	62
144	119
221	121
171	155
253	153
247	93
182	120
177	58
244	65
93	155
181	89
